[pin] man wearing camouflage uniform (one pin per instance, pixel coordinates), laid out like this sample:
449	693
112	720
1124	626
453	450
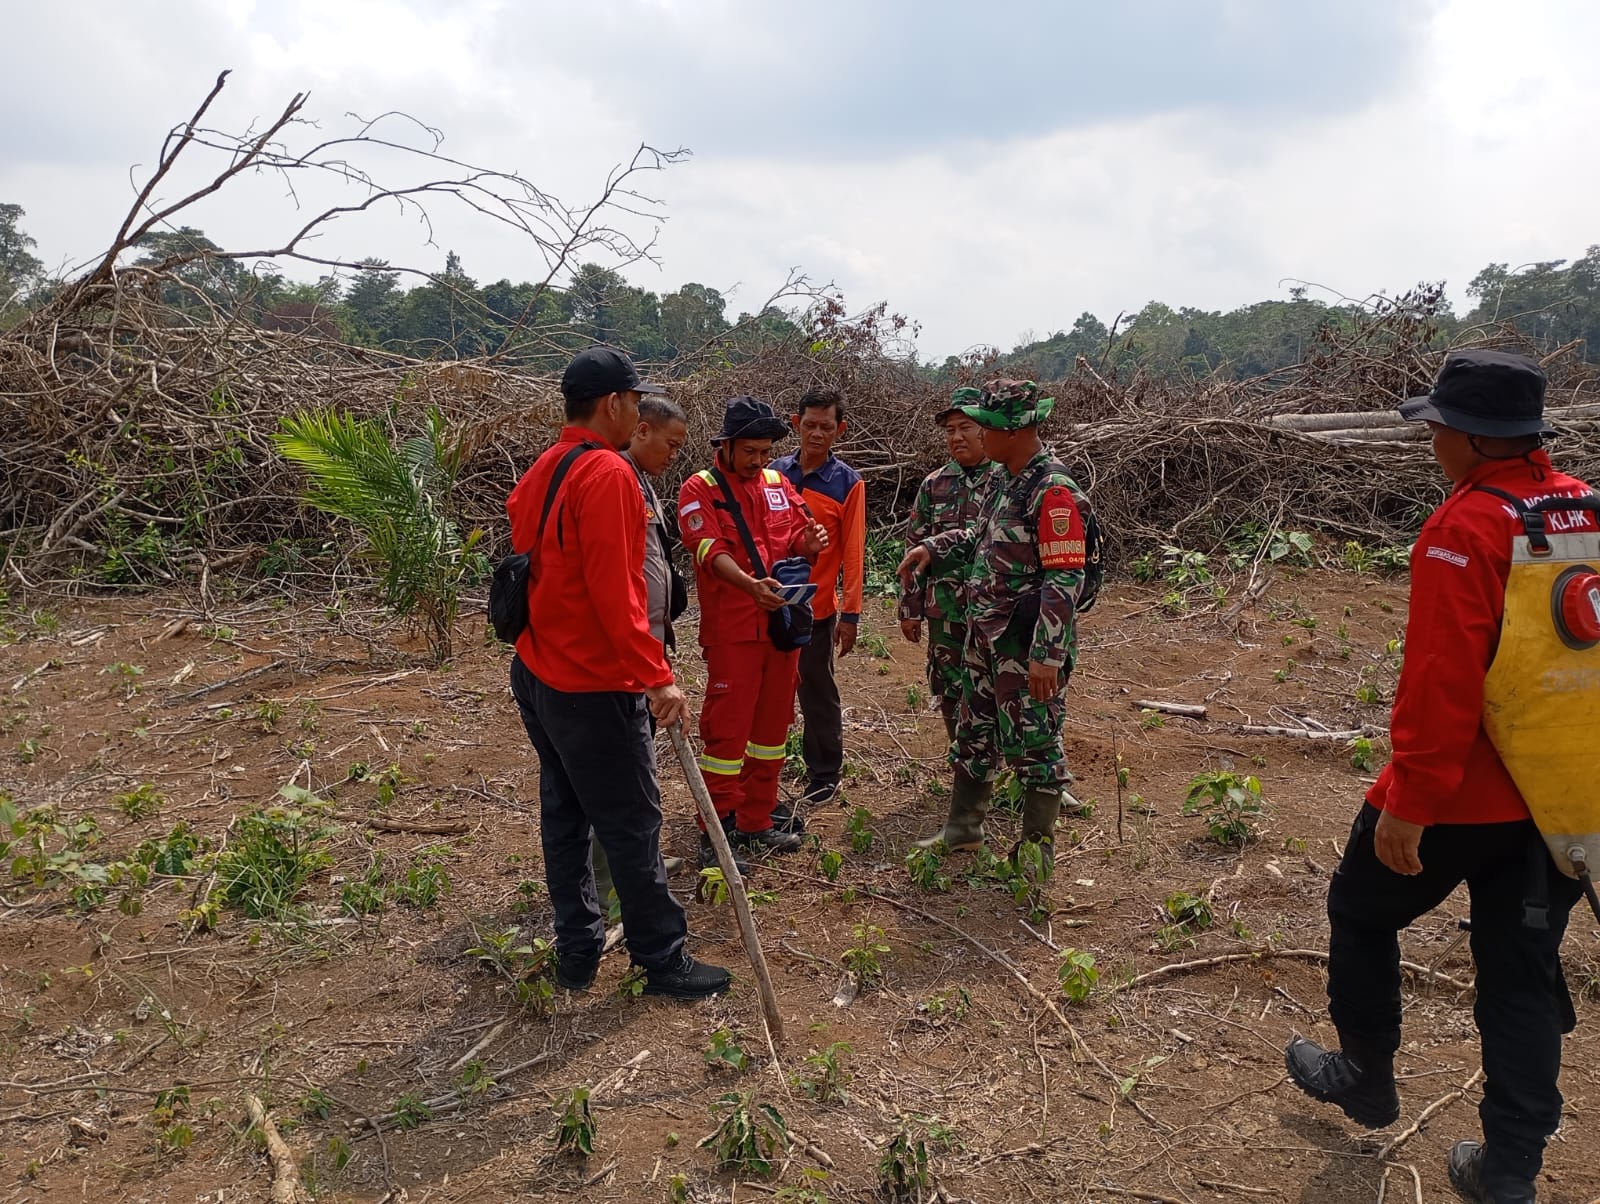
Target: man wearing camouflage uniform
1029	552
949	498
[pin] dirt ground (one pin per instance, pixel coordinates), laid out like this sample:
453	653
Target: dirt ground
131	1033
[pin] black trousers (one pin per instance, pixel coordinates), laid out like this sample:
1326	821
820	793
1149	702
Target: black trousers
822	743
1523	1007
597	776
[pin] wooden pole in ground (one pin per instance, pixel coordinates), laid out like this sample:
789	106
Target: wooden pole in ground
730	874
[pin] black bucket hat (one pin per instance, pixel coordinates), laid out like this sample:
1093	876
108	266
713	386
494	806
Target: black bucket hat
1491	393
748	418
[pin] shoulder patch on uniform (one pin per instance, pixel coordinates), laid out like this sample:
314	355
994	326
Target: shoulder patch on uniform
1458	559
777	497
1061	538
695	522
690	508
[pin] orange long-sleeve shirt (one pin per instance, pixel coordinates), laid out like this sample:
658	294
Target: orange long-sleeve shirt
588	622
837	498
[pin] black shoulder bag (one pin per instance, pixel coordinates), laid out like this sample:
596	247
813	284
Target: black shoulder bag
790	626
508	590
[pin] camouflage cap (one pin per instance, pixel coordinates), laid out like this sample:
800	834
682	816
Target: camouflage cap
967	395
1010	405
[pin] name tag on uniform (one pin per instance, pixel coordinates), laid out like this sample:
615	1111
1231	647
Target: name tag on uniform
777	498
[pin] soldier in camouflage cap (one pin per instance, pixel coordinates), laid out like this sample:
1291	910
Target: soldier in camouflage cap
1029	552
949	498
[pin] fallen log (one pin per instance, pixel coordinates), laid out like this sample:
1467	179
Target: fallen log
286	1188
1188	710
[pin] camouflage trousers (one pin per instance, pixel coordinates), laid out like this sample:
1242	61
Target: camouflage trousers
946	641
1000	723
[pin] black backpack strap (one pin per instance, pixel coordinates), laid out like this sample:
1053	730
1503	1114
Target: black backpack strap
1533	524
732	504
559	475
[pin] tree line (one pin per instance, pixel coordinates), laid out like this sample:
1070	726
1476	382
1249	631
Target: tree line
451	315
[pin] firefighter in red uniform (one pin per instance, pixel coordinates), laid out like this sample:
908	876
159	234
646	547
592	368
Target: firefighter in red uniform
1445	810
750	685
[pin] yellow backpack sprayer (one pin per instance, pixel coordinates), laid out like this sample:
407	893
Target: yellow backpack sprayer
1541	703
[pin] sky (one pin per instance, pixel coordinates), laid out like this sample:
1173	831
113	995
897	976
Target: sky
989	170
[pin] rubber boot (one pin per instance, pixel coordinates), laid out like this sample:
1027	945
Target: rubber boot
1041	808
1357	1078
963	830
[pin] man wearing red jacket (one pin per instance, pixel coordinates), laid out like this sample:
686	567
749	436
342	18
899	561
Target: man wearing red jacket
587	677
1446	811
750	685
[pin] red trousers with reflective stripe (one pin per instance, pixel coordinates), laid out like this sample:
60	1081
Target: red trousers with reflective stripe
743	725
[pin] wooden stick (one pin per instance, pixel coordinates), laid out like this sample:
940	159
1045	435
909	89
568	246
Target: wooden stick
383	823
286	1187
1438	1105
1306	733
730	875
1188	710
1313	955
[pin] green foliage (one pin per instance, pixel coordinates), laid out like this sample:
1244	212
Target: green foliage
923	865
861	836
396	497
862	958
830	863
794	758
575	1127
725	1051
409	1111
712	887
886	547
1292	546
1077	974
366	895
915	697
269	859
1150	720
1184	568
903	1166
822	1076
1361	753
874	645
1230	803
425	881
749	1136
141	802
808	1192
527	966
1191	911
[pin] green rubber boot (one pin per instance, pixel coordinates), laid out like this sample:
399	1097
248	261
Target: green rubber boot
1040	810
963	830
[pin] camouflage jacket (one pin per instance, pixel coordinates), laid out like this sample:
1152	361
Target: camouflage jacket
1027	552
951	497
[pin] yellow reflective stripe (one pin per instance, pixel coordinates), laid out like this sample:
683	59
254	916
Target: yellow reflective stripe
771	475
707	477
764	752
717	765
702	550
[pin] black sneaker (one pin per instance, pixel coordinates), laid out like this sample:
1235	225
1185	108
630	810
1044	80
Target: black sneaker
685	978
820	792
708	855
1465	1164
771	841
786	819
1335	1078
576	973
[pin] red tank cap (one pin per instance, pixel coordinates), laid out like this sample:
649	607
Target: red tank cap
1580	607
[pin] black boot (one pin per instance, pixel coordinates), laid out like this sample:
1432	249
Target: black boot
1359	1080
685	978
786	819
708	855
770	841
576	973
1465	1164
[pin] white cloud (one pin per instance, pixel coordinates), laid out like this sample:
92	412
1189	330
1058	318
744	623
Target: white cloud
1458	144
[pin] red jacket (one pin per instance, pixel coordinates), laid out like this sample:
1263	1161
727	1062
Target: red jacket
772	511
588	625
1444	769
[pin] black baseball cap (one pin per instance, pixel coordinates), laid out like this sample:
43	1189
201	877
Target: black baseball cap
1492	393
596	371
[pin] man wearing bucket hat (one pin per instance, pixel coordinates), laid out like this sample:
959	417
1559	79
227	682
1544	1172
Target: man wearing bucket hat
750	682
949	498
1029	552
1445	810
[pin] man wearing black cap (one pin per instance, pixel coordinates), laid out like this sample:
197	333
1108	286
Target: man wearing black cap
589	674
750	683
1444	810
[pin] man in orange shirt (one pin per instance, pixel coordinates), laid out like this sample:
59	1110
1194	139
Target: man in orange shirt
837	498
749	681
587	676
